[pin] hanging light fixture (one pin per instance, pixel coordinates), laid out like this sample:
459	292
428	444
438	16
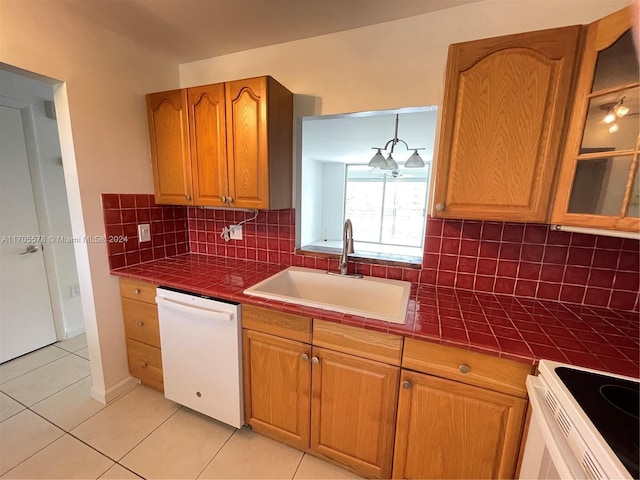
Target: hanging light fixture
619	109
614	112
378	160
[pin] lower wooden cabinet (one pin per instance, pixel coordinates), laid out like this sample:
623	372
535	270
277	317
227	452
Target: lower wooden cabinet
142	331
277	381
353	411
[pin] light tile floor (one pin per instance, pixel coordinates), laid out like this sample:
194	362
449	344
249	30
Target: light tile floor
50	427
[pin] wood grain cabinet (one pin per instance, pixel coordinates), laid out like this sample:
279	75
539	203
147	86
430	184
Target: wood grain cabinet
598	185
504	109
223	145
460	415
142	331
322	398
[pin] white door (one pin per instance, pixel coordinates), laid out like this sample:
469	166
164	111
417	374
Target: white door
26	320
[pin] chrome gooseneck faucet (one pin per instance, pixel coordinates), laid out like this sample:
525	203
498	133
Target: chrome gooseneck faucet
347	248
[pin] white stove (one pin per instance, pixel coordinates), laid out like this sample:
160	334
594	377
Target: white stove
584	424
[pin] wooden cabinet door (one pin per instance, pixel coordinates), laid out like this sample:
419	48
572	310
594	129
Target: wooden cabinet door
207	129
448	429
277	380
169	139
246	107
353	411
599	184
503	115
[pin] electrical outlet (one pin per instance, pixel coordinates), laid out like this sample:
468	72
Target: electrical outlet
236	232
144	233
75	290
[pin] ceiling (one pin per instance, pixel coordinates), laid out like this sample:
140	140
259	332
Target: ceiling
192	30
349	138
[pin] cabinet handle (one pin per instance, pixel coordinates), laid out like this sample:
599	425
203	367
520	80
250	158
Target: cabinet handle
406	384
145	364
136	291
315	360
305	357
440	207
229	200
464	368
188	197
223	199
140	324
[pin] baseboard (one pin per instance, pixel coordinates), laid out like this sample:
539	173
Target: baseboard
106	396
74	332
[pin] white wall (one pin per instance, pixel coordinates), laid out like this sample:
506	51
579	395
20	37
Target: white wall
51	201
104	143
333	200
391	65
311	201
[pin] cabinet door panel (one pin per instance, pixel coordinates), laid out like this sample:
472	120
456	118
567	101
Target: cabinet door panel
247	143
353	411
207	128
169	138
450	430
276	387
501	127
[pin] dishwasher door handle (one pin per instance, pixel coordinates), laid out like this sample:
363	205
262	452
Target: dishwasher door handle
194	309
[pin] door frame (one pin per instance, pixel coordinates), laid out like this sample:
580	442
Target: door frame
28	122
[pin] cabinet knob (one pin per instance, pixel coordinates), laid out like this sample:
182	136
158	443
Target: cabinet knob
223	199
188	197
145	364
440	207
464	368
315	360
140	324
406	384
229	199
136	291
305	357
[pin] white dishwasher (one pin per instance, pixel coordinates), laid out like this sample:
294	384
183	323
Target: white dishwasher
201	353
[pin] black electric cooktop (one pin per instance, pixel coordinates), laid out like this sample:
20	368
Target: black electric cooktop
612	405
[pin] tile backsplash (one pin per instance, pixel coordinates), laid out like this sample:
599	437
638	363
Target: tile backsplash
528	260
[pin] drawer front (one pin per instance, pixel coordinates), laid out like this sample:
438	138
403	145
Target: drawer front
473	368
138	290
286	325
383	347
145	363
141	322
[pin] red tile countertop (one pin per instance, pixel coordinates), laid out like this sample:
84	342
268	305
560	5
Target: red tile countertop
522	329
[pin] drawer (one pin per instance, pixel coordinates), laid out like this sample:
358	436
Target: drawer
286	325
141	322
383	347
145	363
499	374
137	290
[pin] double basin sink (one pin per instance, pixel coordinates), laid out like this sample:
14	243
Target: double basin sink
372	297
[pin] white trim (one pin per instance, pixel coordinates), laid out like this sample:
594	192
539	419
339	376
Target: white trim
109	395
596	231
75	332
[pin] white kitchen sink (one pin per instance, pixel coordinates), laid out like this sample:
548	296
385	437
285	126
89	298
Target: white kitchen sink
371	297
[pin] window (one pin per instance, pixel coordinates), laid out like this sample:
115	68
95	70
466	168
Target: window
388	209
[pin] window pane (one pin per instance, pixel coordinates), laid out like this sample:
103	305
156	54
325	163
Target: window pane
404	213
599	185
597	136
616	65
363	206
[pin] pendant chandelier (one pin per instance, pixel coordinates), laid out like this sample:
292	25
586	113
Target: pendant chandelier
389	163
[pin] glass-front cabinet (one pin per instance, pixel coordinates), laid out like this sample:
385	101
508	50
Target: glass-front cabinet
598	186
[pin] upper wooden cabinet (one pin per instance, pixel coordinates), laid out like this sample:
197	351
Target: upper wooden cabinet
598	184
504	109
223	145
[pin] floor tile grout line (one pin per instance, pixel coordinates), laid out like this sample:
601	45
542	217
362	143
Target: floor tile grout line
35	368
37	451
298	467
129	470
217	452
55	393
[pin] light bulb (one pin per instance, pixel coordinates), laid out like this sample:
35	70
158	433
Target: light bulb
614	128
610	117
620	110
